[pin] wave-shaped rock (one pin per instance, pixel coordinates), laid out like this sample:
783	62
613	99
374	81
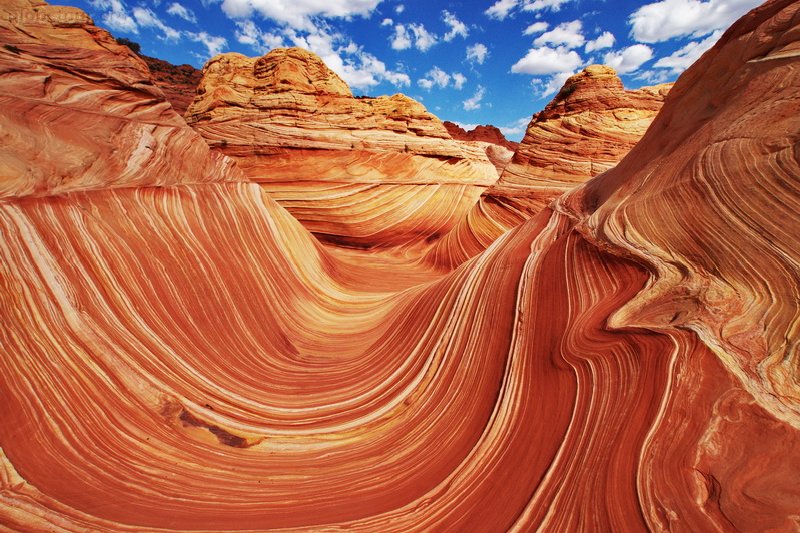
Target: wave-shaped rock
191	358
586	129
359	171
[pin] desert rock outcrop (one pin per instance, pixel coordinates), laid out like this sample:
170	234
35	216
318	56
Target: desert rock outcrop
586	129
359	171
189	357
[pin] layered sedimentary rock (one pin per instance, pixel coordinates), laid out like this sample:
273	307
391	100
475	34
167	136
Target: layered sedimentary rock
586	129
190	358
178	82
498	149
359	171
62	132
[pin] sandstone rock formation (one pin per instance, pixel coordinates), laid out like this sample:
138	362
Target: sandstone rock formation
588	127
486	138
358	171
190	358
178	82
488	133
62	134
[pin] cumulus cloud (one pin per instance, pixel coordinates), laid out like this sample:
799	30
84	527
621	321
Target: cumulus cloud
473	103
605	40
298	14
629	59
536	27
423	39
477	53
664	20
436	77
214	44
399	8
516	128
387	22
551	85
500	9
456	26
569	34
359	69
401	39
545	60
116	16
248	33
406	35
542	5
180	11
145	18
681	59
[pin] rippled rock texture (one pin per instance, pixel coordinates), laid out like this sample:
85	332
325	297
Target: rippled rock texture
586	129
178	82
189	357
366	172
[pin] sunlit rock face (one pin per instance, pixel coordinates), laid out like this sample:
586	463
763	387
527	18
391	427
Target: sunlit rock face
63	132
367	172
190	358
586	129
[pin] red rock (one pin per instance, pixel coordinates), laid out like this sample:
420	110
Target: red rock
366	172
586	129
178	82
488	133
191	358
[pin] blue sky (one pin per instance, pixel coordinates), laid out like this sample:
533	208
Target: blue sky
469	61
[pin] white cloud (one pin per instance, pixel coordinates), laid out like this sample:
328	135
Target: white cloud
477	53
248	33
213	43
500	9
456	26
147	19
516	128
416	34
399	9
570	34
359	69
116	16
681	59
667	19
546	60
473	103
605	40
437	77
423	39
297	14
540	5
536	27
552	85
387	22
629	59
654	76
401	39
180	11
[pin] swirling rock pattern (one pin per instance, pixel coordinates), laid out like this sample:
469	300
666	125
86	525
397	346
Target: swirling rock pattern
586	129
190	357
367	172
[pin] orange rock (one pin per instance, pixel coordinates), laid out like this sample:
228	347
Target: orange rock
191	358
588	127
364	172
